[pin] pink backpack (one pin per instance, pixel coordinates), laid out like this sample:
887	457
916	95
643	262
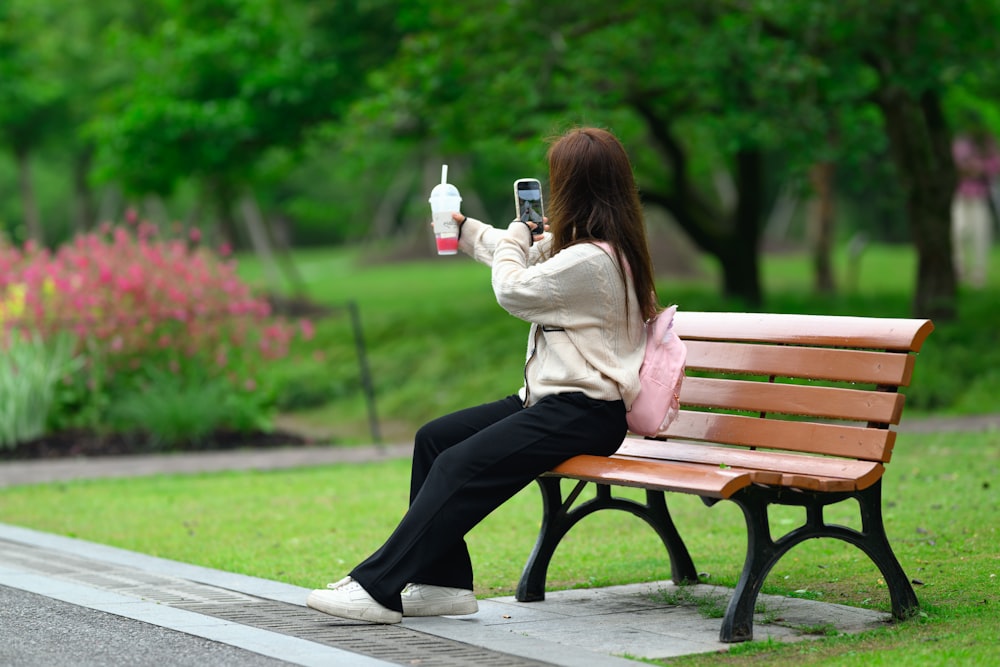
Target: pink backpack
660	375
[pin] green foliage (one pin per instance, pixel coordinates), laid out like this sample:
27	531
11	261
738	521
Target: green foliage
31	369
223	83
31	101
182	411
333	112
751	94
175	343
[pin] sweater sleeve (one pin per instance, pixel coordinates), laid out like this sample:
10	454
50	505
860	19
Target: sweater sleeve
479	241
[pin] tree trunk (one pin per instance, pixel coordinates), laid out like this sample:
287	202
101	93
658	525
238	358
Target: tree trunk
821	225
260	240
392	202
84	206
733	239
29	203
276	257
223	197
921	150
154	210
740	260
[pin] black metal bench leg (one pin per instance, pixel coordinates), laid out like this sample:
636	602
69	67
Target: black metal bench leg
876	545
558	516
555	524
762	554
682	569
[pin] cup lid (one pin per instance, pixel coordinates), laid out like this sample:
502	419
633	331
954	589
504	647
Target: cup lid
445	190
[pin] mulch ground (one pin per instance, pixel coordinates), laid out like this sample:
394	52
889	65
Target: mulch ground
82	443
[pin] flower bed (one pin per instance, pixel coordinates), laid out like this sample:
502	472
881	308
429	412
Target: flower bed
168	343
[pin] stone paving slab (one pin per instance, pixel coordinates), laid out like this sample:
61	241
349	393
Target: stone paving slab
641	620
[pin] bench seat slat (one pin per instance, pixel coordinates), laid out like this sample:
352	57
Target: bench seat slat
793	399
817	363
781	462
906	335
661	475
783	468
854	442
818	483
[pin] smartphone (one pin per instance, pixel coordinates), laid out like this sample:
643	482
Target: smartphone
528	201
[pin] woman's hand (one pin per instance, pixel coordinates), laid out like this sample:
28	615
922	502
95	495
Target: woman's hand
538	231
535	230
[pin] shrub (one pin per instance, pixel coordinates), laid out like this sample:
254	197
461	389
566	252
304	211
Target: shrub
173	411
30	371
141	309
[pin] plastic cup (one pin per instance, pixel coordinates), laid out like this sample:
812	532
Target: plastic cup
445	200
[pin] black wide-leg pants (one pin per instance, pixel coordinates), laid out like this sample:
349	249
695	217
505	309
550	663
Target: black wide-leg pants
467	464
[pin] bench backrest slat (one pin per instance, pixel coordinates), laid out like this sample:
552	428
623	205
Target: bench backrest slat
870	444
905	335
845	365
793	399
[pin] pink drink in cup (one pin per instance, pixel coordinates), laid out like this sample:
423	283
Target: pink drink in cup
446	245
444	201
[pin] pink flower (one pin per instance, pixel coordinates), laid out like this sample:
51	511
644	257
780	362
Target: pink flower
307	328
140	294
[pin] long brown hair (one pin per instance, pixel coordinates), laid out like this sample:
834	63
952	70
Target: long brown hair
593	197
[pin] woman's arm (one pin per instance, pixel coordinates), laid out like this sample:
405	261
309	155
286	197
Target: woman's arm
479	240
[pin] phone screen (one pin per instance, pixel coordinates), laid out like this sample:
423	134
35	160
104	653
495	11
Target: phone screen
529	201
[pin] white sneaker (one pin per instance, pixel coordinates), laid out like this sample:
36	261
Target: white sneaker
427	600
347	599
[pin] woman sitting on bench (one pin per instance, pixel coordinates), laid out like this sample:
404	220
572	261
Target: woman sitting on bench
585	346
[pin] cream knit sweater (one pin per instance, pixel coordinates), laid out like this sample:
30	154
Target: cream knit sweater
580	338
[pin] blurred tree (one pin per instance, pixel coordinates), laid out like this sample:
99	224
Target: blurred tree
92	71
32	101
690	87
720	83
222	83
906	54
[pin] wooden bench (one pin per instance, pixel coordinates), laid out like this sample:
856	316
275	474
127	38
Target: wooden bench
775	409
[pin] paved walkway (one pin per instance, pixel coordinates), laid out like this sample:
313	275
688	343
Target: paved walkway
71	602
